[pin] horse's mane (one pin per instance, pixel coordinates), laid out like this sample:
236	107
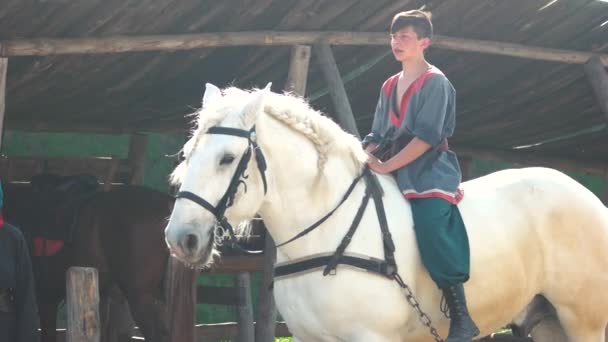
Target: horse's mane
291	110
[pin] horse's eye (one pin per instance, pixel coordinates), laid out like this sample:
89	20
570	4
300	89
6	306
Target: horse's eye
227	159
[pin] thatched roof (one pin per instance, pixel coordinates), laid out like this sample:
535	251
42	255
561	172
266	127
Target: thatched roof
503	102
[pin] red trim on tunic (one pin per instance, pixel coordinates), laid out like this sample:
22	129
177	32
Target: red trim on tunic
389	84
417	84
1	220
452	199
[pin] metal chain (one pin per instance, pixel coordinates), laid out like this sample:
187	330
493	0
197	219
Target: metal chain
424	318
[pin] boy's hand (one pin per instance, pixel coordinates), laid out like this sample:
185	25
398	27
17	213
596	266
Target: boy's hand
376	165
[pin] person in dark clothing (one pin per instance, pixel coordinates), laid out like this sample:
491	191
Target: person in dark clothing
19	321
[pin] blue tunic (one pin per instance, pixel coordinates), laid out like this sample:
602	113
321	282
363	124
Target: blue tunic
427	110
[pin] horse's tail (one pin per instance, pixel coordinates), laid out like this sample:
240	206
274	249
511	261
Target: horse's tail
180	294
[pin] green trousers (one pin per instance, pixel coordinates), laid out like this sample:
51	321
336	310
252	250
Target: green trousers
442	240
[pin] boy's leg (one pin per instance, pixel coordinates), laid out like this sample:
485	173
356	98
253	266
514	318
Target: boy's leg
444	249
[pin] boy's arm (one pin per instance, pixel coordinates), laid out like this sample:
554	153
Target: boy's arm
408	154
426	126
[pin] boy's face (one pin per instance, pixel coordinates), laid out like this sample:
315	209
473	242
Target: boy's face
406	45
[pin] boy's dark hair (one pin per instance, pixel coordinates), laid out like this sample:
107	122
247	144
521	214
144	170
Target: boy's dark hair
419	21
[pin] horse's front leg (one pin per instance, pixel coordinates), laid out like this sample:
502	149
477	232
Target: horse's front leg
48	320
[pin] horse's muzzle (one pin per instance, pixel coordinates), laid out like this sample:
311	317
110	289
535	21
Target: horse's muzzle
191	246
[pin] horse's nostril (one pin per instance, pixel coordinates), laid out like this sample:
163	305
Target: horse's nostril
191	242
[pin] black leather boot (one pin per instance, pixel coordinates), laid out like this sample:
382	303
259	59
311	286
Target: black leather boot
462	327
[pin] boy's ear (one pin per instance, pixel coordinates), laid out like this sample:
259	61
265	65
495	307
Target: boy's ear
426	42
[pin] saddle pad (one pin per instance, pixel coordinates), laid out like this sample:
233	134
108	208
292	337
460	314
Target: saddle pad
46	247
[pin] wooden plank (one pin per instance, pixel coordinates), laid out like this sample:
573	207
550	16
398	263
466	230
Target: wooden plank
234	264
120	44
266	314
523	158
298	70
82	299
220	295
598	77
343	112
246	332
93	127
137	158
3	69
21	168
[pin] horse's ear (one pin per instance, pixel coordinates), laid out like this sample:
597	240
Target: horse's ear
253	108
211	92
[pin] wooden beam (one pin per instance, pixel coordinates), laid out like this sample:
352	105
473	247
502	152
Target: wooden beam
514	50
82	302
91	127
220	295
298	70
3	69
598	77
523	158
137	158
119	44
329	68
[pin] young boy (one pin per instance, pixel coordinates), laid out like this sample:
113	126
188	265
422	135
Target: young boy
414	117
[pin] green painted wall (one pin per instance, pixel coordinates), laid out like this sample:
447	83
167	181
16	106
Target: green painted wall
159	160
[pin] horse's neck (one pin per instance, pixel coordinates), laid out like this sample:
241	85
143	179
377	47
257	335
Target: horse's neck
300	194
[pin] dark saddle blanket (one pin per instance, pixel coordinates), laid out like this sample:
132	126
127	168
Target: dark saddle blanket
58	202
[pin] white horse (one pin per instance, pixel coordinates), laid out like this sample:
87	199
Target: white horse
531	231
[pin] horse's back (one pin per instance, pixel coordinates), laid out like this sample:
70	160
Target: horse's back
121	231
535	230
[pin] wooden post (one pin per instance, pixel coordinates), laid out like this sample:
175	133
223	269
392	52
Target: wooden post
111	173
344	114
598	77
298	70
180	296
82	299
3	69
465	167
266	313
137	158
245	309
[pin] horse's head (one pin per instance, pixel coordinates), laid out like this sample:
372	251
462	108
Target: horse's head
222	176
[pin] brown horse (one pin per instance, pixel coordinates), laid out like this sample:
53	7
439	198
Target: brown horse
120	233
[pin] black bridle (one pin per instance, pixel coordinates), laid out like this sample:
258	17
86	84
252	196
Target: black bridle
238	178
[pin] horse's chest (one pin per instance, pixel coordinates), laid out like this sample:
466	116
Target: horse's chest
332	308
